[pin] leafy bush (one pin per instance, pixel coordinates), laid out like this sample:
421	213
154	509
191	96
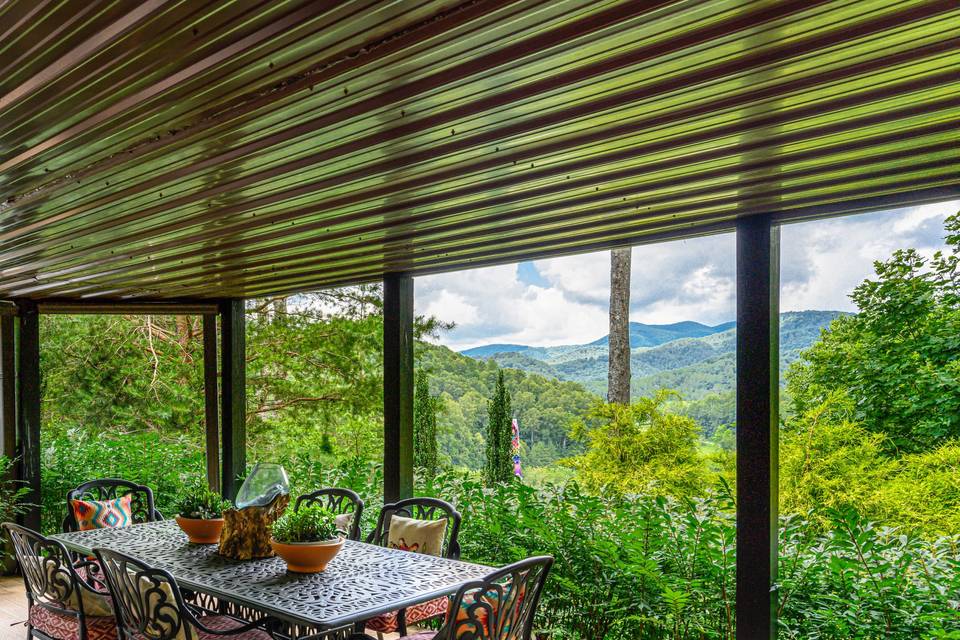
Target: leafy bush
638	567
307	524
640	448
166	465
646	567
201	503
897	359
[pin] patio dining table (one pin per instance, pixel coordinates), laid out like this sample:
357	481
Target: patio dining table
361	582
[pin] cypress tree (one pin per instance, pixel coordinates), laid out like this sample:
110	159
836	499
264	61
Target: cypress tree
424	425
499	464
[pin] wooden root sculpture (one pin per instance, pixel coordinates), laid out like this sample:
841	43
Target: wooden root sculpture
246	532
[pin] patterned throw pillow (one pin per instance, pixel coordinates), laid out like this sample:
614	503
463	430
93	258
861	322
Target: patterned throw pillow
102	514
419	536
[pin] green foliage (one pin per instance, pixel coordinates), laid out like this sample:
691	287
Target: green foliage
312	523
700	365
640	448
425	409
829	463
165	464
897	359
657	568
123	373
923	496
499	461
861	580
200	502
545	408
12	498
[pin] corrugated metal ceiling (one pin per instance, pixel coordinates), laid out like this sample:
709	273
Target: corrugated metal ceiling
206	149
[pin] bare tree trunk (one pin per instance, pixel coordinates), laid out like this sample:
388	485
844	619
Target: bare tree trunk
618	372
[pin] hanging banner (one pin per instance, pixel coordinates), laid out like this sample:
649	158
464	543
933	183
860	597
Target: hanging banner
517	471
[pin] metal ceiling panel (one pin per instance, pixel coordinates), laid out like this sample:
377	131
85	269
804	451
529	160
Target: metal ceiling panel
165	149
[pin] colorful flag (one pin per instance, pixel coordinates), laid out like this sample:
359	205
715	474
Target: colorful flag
517	471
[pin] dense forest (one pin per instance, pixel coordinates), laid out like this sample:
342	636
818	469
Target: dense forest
636	501
696	360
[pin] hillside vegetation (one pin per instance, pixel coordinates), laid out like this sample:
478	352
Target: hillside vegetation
697	361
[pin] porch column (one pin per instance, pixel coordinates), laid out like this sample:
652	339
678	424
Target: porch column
397	387
233	395
210	401
758	387
28	408
8	387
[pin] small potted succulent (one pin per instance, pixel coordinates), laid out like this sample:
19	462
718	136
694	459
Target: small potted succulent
200	515
307	539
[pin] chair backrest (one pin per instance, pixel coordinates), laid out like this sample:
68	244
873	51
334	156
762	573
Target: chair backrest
146	601
48	574
420	509
501	606
339	501
141	499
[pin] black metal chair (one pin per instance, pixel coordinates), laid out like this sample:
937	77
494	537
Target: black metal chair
419	509
60	605
502	606
340	502
141	499
149	606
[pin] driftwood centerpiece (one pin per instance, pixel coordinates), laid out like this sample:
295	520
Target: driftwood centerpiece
246	532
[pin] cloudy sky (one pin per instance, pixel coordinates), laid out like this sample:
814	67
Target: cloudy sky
564	300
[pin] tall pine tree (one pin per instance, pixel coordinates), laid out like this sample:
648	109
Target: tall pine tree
424	425
499	466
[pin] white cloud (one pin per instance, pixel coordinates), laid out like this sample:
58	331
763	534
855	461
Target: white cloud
493	305
822	261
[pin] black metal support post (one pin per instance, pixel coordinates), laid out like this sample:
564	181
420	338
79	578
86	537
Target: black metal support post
758	386
28	409
397	387
8	387
210	401
233	395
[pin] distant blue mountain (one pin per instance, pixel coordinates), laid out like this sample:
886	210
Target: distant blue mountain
652	335
641	335
488	350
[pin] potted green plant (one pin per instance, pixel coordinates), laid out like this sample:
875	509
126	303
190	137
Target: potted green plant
200	515
307	539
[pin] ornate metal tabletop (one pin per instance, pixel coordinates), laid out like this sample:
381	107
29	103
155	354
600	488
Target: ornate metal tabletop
361	582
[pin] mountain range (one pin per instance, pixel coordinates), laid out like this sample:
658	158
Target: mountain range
693	358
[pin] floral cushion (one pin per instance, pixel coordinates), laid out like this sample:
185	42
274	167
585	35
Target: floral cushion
225	623
474	612
419	536
67	627
102	514
390	622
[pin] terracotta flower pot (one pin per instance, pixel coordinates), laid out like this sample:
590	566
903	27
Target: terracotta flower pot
307	557
201	531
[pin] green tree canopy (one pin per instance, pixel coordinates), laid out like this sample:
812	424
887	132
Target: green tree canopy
499	466
425	425
640	448
897	359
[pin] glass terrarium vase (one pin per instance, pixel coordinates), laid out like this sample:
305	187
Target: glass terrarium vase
267	481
